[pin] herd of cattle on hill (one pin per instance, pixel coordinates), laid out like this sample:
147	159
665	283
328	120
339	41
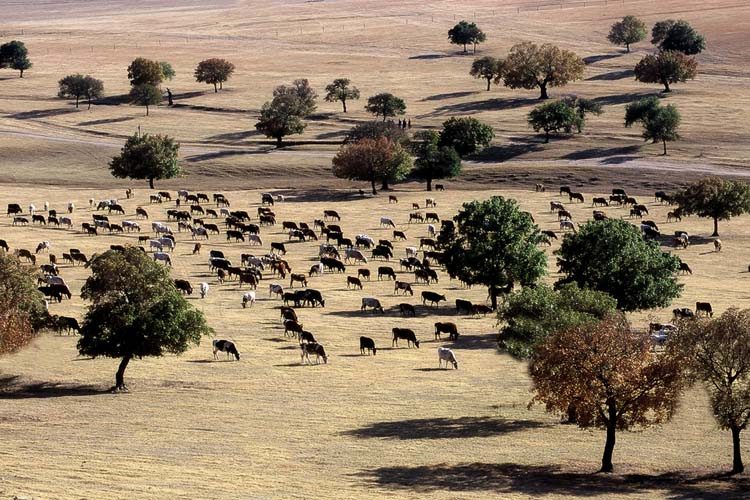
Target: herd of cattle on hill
189	216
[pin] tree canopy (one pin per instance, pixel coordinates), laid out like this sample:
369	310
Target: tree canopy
487	67
147	157
167	71
465	33
583	107
434	161
341	90
135	311
466	135
678	36
555	116
282	117
535	313
376	129
610	374
529	66
144	71
22	310
372	160
15	55
714	197
660	123
612	256
666	67
78	86
300	90
718	350
385	105
494	244
627	32
214	71
146	95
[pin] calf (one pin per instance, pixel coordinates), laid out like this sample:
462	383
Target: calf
313	348
404	334
372	303
432	297
445	354
367	344
227	347
450	328
306	336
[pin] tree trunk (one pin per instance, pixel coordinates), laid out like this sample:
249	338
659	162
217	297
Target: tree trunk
384	185
343	102
716	227
89	103
221	85
627	48
146	108
278	141
609	447
464	53
429	184
737	465
665	147
493	298
151	182
666	86
77	102
489	80
543	88
374	191
384	117
216	89
572	414
120	376
546	136
475	48
21	73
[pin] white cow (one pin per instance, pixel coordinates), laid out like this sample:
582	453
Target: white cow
445	354
387	221
355	255
129	225
55	280
248	298
183	193
367	238
46	206
204	289
32	209
167	243
411	251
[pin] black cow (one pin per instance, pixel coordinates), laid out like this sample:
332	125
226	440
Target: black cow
432	297
463	305
367	344
405	334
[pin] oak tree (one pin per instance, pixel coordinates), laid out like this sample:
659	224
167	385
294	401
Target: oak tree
15	55
627	32
301	92
465	33
556	116
147	157
660	123
385	105
282	117
666	67
488	68
529	66
678	36
372	160
146	95
466	135
22	310
715	197
214	71
434	161
340	90
79	86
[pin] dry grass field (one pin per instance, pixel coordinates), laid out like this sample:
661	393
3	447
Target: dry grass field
388	426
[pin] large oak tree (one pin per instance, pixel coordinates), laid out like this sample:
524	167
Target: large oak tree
529	66
714	197
147	157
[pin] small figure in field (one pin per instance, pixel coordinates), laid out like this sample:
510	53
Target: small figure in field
409	125
169	97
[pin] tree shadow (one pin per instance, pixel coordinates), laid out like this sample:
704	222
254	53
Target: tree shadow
12	388
591	153
602	57
449	95
42	113
105	121
443	428
113	100
616	99
478	106
213	155
618	160
537	480
233	136
188	95
612	75
430	56
505	152
473	342
336	134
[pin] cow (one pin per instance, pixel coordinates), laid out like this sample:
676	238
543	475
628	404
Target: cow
367	344
439	187
301	278
312	297
600	202
482	309
432	297
392	199
564	190
415	217
371	303
575	196
354	282
278	247
141	212
249	278
406	287
331	215
162	257
682	313
427	242
292	328
204	289
674	216
430	202
399	235
405	309
313	348
248	298
227	347
14	209
355	255
450	328
66	221
382	251
23	221
315	269
684	268
386	271
405	334
445	354
431	217
567	224
717	245
43	245
463	305
363	273
184	286
333	264
115	207
26	254
305	336
237	235
38	218
556	206
705	308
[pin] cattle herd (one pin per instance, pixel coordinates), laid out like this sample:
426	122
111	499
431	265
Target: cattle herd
233	242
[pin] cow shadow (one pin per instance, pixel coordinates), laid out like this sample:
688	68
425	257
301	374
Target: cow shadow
12	388
443	427
539	480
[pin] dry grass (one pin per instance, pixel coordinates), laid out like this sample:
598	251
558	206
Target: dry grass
359	427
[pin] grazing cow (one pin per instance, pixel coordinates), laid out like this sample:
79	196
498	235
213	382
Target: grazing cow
649	232
415	206
248	298
278	247
430	202
155	244
301	278
38	218
14	209
204	289
237	235
331	215
289	225
682	313
4	245
550	234
356	255
227	347
352	281
405	334
386	271
392	199
482	309
431	217
381	251
432	297
313	348
167	243
399	235
463	305
416	217
26	254
80	258
575	196
43	245
20	220
406	287
684	268
141	212
184	286
450	328
674	216
372	303
292	328
316	269
66	221
114	207
311	297
275	288
556	206
249	278
705	308
427	242
129	226
567	224
717	245
439	187
539	188
367	344
305	336
49	269
363	273
564	215
445	354
421	275
333	264
51	292
162	257
405	309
